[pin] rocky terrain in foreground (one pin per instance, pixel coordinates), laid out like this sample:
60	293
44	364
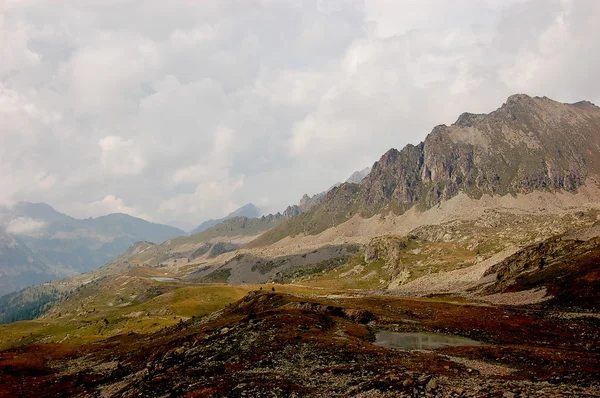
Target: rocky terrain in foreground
273	344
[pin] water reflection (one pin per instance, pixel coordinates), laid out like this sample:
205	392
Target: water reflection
420	341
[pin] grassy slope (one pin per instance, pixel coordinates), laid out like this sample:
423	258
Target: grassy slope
80	319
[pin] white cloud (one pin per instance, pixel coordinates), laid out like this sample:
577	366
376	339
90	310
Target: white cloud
223	141
26	226
120	156
108	205
191	173
210	197
106	75
216	162
45	182
15	52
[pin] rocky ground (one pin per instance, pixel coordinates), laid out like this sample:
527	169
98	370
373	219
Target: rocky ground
274	344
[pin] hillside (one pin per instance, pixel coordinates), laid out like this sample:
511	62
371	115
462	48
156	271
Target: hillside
528	144
561	270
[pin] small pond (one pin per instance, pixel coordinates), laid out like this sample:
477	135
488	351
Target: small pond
421	341
162	279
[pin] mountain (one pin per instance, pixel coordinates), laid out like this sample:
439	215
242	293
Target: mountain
307	202
226	236
358	176
195	250
40	243
249	211
528	144
19	266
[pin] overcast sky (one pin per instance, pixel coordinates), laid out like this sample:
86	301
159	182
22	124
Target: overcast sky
186	110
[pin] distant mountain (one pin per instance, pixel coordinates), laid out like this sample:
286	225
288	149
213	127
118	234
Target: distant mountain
249	211
241	226
528	144
19	266
307	202
358	176
41	244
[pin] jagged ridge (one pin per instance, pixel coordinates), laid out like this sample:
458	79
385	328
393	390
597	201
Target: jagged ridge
527	144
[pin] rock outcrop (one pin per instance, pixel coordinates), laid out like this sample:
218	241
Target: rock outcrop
566	270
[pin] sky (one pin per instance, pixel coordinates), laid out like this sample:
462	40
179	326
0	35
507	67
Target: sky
180	111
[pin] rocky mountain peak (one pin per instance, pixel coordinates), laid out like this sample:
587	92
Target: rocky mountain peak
528	144
467	119
304	200
518	99
308	202
389	157
291	211
586	105
358	176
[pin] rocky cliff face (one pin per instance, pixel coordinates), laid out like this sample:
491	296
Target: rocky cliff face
308	202
527	144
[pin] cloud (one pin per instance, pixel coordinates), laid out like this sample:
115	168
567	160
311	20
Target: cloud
106	75
212	197
120	156
108	205
182	110
26	226
15	52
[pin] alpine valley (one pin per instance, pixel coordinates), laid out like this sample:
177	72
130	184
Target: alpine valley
465	265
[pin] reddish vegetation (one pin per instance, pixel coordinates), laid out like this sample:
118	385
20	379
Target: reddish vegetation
285	345
569	269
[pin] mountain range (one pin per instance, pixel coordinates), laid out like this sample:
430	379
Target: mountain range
528	144
39	244
528	148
